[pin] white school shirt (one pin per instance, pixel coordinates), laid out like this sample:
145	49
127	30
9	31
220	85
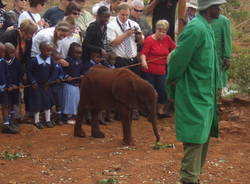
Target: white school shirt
114	30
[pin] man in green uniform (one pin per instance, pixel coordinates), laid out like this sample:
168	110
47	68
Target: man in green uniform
191	81
223	44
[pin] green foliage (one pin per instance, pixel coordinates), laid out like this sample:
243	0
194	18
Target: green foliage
108	181
239	72
235	11
159	146
11	156
239	16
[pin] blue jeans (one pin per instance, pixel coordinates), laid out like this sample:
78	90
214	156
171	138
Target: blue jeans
158	82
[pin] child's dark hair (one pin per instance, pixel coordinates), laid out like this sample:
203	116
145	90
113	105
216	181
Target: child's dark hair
34	3
43	45
102	10
72	47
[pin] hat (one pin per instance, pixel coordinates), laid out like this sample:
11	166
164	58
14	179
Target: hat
192	4
204	4
2	3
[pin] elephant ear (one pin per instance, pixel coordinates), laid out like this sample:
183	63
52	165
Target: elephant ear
124	91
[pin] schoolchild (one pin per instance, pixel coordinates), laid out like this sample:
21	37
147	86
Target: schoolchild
95	58
57	91
40	72
71	90
15	76
7	126
109	60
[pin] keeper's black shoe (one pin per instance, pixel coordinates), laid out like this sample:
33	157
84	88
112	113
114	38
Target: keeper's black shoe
8	129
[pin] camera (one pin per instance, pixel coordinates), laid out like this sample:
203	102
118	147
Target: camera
136	30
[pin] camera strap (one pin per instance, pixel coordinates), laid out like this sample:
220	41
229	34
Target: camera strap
121	25
31	16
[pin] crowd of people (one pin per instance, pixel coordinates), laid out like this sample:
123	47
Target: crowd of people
50	53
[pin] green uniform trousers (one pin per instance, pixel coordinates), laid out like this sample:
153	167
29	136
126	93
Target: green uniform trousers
193	162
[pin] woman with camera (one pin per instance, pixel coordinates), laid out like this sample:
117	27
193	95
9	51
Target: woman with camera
154	54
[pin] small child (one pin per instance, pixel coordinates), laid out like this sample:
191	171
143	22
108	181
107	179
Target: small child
96	58
15	75
7	125
40	72
109	60
57	89
71	90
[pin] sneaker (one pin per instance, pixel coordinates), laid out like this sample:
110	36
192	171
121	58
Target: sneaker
7	129
38	125
49	124
71	121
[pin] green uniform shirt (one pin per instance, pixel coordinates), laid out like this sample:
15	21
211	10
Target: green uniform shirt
223	44
193	68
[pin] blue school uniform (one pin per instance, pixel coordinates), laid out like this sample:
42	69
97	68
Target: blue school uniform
3	82
15	72
107	64
57	89
40	72
71	90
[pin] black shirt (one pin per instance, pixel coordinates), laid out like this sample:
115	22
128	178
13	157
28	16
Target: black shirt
95	39
163	11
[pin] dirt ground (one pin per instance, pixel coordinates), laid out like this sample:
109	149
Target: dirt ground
55	156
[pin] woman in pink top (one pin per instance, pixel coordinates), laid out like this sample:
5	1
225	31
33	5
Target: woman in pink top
153	57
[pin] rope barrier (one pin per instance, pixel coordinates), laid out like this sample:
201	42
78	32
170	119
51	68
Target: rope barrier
74	78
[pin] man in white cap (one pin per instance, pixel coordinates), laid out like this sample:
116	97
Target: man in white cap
191	81
191	10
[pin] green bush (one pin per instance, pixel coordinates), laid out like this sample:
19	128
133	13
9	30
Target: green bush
239	72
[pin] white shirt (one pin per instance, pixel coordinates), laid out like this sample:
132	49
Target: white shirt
98	5
114	30
25	15
64	44
46	34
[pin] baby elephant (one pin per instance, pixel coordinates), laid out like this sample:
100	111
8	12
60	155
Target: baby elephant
120	89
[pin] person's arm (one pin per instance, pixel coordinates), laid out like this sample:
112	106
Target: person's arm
187	46
149	9
227	45
145	50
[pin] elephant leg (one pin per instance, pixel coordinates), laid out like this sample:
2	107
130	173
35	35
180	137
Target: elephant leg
78	131
95	130
126	119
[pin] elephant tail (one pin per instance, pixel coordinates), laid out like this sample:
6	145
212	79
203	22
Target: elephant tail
157	135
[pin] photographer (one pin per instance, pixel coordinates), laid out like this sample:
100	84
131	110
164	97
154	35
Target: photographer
163	9
124	36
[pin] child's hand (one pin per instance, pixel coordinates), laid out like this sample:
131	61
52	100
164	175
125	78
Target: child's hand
34	86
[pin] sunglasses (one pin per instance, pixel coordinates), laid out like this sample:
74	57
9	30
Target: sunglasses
24	0
139	11
76	13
